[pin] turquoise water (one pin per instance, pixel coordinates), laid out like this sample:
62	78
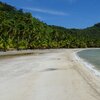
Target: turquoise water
92	56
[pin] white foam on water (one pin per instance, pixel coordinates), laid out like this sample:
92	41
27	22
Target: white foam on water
87	64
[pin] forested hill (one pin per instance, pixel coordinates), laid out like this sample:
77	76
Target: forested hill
20	30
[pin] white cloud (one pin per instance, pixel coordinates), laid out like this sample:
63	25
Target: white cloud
52	12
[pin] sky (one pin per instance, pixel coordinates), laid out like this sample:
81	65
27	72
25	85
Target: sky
66	13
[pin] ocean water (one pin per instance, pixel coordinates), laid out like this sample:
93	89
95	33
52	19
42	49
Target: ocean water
92	56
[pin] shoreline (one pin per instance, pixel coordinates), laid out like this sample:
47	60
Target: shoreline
29	51
91	77
87	64
15	52
22	52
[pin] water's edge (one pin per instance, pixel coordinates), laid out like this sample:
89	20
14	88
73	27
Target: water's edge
87	64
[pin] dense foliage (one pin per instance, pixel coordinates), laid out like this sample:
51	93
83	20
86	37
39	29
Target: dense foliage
19	30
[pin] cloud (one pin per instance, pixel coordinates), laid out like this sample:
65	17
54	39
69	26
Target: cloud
52	12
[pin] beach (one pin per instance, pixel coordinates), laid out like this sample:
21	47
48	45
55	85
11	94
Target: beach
54	74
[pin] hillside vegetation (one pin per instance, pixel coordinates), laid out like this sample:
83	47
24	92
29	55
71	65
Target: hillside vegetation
20	30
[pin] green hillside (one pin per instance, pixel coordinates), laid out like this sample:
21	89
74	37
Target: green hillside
20	30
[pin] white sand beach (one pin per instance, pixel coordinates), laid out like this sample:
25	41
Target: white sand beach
47	75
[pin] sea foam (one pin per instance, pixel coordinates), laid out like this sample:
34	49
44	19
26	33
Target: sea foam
87	64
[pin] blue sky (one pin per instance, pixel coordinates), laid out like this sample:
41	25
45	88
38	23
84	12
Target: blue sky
67	13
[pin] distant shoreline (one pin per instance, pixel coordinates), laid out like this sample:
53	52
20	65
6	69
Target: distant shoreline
29	51
15	52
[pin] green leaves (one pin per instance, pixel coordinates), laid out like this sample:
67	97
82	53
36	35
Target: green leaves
19	30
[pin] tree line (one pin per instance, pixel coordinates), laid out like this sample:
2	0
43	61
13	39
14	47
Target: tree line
20	30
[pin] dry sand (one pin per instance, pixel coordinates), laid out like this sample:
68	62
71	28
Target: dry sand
50	75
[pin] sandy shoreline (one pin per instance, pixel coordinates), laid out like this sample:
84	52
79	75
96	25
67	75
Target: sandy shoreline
51	75
86	64
87	70
21	52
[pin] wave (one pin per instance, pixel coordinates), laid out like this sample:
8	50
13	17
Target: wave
88	65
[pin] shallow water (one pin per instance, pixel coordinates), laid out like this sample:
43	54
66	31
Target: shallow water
92	56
